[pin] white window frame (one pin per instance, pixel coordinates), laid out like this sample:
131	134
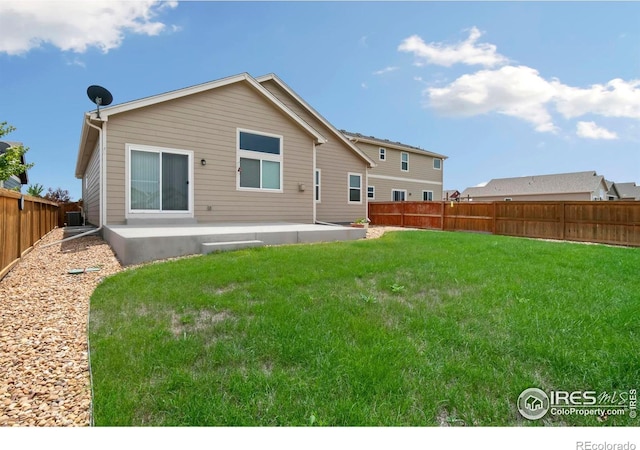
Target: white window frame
382	154
260	156
393	191
427	192
373	192
156	213
439	164
359	175
317	185
402	155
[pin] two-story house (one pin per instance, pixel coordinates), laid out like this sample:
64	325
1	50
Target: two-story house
402	172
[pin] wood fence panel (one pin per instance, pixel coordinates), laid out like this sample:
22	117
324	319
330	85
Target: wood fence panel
386	213
422	214
21	229
605	222
467	216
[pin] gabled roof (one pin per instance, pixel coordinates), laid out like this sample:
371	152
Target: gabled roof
627	191
562	183
88	133
4	145
357	137
273	77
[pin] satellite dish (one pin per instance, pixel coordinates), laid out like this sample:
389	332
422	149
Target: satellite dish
100	96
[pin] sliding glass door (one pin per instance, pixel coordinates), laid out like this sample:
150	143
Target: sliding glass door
159	180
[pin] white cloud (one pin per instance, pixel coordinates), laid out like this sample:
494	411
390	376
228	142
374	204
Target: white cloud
590	130
520	91
76	25
385	70
514	91
617	98
466	52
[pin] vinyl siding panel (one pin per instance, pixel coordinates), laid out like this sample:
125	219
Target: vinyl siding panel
206	124
335	160
420	168
91	189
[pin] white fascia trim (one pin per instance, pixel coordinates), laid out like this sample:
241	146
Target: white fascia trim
412	180
148	101
317	115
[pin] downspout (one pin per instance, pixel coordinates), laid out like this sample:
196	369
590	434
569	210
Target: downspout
101	186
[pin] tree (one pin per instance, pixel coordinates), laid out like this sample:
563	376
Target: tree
59	195
35	190
11	160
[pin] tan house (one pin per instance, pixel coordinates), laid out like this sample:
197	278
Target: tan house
583	186
402	172
232	150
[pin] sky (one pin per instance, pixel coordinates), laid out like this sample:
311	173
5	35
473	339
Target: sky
504	89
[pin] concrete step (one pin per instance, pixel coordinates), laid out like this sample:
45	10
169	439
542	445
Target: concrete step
210	247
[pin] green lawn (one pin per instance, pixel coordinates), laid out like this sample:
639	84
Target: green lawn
416	328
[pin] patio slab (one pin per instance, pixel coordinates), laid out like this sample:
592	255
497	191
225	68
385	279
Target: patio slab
138	244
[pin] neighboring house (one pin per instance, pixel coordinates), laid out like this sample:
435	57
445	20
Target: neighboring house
565	186
13	181
402	172
238	149
451	194
627	191
612	192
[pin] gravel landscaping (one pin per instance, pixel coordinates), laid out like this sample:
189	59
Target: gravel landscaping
43	330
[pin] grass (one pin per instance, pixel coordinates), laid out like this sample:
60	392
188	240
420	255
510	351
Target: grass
413	329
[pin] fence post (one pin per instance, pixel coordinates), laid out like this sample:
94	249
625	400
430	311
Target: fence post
562	220
493	221
442	214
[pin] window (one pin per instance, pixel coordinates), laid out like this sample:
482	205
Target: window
159	179
382	154
427	196
404	162
259	161
437	163
355	188
371	192
316	185
398	195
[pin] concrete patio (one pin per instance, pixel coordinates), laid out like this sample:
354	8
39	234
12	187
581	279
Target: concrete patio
138	244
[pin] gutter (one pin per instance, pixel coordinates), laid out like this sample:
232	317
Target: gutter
101	185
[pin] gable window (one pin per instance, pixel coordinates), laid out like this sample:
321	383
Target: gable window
316	185
404	162
355	188
158	179
427	196
437	163
371	192
259	161
382	154
399	195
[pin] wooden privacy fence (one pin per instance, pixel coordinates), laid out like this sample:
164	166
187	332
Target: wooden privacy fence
22	224
614	222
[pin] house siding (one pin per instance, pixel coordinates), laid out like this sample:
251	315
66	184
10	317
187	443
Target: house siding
91	189
420	168
11	183
335	160
206	124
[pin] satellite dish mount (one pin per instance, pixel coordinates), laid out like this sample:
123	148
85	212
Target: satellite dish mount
99	96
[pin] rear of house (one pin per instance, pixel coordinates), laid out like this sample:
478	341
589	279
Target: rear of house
225	151
402	172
